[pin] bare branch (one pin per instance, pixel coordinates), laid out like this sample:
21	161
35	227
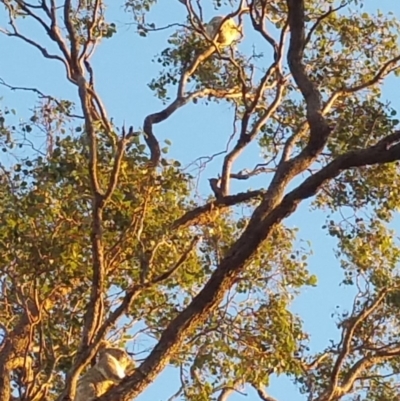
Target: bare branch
52	31
74	44
227	391
225	394
42	49
263	394
388	67
41	96
314	364
245	138
245	174
257	20
195	216
156	118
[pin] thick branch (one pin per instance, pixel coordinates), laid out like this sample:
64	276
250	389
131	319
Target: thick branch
364	363
319	129
295	58
238	256
17	343
74	45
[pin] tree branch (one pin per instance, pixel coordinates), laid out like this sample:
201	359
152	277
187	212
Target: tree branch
319	129
194	216
41	95
330	11
348	336
236	258
246	138
263	394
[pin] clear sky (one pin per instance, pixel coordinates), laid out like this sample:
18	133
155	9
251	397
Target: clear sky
123	67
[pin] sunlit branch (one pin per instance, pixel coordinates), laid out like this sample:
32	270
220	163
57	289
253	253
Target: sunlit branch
90	27
316	362
225	393
263	394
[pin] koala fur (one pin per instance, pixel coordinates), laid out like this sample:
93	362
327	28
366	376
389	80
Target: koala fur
226	34
110	369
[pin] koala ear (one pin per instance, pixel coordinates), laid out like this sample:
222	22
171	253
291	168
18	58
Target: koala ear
104	344
102	347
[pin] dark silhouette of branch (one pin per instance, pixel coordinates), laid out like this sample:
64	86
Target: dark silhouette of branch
41	95
194	216
245	174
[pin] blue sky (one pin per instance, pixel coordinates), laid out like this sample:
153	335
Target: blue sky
123	66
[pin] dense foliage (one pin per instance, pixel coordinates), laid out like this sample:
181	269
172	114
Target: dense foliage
101	236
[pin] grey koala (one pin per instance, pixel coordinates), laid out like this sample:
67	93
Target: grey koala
111	368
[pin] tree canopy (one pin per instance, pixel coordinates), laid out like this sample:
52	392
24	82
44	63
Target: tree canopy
103	235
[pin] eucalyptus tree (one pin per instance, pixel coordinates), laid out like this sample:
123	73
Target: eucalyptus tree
102	238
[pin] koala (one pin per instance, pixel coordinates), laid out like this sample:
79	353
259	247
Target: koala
111	368
225	35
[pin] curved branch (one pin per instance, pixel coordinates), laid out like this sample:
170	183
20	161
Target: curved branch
158	117
237	257
155	118
246	138
263	394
